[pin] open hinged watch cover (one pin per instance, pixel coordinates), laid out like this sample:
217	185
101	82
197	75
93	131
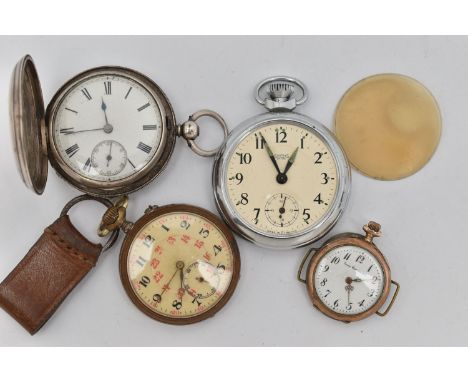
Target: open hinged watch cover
28	128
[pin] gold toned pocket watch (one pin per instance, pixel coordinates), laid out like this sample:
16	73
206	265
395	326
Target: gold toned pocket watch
348	278
179	264
108	131
281	180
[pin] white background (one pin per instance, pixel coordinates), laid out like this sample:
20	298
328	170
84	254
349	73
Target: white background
422	217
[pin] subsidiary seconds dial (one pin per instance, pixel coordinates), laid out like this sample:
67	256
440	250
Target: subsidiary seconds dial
281	178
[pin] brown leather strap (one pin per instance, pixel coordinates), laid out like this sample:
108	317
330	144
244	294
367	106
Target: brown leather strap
54	265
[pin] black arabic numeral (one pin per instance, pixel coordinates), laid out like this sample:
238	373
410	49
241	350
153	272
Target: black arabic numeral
239	177
244	199
281	136
185	224
108	87
204	233
318	156
149	240
325	178
259	142
245	158
220	269
217	249
195	300
306	215
318	199
145	280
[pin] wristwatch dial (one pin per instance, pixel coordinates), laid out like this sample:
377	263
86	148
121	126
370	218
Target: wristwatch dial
107	127
349	280
180	265
281	179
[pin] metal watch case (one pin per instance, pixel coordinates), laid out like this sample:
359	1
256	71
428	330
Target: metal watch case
372	229
227	210
32	132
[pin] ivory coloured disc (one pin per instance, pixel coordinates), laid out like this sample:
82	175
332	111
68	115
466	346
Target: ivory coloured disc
389	126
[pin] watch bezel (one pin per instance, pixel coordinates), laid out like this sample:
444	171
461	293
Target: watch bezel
154	214
133	182
280	241
349	239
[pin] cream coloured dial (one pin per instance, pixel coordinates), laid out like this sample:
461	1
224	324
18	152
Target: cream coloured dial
180	265
281	159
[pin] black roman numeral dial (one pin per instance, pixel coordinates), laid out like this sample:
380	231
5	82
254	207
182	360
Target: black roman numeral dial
107	127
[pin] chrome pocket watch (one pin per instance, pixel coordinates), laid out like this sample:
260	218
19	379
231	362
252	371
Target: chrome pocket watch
281	180
348	278
108	131
179	264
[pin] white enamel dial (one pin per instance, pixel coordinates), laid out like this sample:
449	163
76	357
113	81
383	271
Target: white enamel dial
349	280
101	110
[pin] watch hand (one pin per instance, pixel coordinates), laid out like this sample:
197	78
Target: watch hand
109	157
282	210
104	108
270	154
179	266
291	160
68	132
182	289
349	287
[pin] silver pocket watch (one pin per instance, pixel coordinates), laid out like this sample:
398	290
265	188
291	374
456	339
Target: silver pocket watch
281	179
108	131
